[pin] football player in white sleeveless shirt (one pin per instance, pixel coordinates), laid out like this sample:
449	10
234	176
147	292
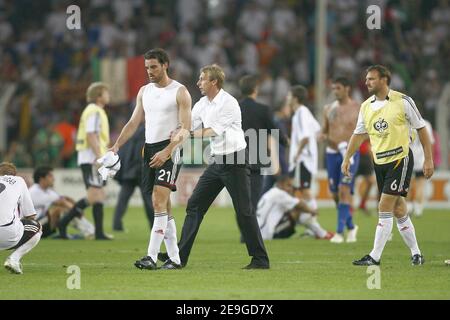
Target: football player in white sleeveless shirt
165	105
15	233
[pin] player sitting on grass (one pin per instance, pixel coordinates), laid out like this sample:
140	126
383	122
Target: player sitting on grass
278	212
56	211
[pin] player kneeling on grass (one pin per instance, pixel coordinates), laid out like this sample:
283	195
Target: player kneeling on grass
278	212
55	211
16	234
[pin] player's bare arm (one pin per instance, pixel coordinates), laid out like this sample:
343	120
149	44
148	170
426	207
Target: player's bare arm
132	125
428	165
355	142
184	102
303	206
204	133
323	135
94	143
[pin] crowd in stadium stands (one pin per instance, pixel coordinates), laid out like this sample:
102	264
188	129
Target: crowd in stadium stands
52	66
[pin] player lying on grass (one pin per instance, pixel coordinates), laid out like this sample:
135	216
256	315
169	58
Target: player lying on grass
18	229
278	212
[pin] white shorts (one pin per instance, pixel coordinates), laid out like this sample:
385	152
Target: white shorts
11	235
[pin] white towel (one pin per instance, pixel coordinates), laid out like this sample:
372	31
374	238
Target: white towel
110	165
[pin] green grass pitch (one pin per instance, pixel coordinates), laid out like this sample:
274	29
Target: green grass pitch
300	268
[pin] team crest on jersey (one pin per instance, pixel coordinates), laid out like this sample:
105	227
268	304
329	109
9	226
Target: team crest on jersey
381	126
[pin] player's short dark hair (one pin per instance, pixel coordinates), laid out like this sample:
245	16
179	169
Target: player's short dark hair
248	84
41	172
382	71
343	81
7	169
158	54
299	92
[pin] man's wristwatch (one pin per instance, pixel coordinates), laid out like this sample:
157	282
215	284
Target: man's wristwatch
191	133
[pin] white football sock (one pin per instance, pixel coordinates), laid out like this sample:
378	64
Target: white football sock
418	208
170	240
406	229
311	223
157	234
410	207
384	229
26	247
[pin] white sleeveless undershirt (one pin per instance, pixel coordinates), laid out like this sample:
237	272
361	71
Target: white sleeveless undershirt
161	111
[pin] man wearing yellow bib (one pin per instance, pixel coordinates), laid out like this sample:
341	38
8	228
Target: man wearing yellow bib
387	119
92	143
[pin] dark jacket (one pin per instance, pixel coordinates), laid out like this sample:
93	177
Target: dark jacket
258	116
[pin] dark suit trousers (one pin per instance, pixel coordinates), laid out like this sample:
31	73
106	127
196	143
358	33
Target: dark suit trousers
235	178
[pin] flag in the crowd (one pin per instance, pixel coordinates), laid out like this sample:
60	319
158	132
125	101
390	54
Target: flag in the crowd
123	76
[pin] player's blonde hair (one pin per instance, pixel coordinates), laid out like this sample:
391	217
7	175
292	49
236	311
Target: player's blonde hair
214	72
7	169
94	91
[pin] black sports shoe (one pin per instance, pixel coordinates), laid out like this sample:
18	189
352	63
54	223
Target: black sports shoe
145	263
170	265
163	256
366	261
417	260
256	266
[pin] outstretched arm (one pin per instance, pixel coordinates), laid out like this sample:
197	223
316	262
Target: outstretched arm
428	165
132	125
353	146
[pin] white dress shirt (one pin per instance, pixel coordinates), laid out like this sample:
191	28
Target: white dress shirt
223	115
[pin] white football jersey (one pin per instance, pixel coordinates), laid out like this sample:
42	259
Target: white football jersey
161	111
42	199
304	125
271	208
15	204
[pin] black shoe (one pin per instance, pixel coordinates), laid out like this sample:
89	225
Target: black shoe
256	266
170	265
163	256
145	263
366	261
417	260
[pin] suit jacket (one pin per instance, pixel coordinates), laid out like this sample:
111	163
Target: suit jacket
258	116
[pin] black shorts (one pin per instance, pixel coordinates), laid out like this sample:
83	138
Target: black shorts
365	167
302	179
165	176
285	228
91	177
394	178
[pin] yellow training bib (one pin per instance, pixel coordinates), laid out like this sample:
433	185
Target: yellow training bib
388	128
